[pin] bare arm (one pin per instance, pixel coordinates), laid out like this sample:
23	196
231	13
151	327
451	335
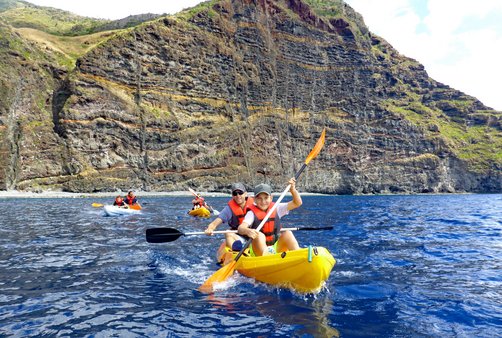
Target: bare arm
213	225
297	199
245	230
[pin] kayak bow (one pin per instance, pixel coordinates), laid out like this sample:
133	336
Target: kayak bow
304	270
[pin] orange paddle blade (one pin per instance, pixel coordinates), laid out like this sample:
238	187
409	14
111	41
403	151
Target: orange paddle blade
317	148
219	276
135	207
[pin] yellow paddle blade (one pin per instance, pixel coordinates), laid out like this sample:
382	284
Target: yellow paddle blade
219	276
317	148
97	205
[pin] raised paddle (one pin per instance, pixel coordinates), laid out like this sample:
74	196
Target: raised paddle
164	235
228	270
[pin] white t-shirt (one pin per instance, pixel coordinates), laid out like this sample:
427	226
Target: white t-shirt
282	210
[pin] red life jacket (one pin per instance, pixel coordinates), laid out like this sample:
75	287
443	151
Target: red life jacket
130	200
238	213
199	201
120	204
271	228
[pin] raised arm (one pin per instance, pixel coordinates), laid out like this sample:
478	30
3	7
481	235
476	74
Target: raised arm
297	199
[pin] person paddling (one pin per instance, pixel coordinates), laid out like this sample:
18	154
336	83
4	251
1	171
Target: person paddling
199	202
131	199
119	202
233	214
269	239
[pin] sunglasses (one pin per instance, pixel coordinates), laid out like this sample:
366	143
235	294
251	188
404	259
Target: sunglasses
235	193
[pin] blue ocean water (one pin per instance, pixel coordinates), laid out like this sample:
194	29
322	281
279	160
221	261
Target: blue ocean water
407	266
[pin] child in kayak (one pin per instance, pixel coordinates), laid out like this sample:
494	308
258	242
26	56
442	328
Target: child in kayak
233	214
269	239
119	202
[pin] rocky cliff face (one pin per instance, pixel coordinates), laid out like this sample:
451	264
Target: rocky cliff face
29	148
239	91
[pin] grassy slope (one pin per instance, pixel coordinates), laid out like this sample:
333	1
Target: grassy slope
62	35
50	20
65	49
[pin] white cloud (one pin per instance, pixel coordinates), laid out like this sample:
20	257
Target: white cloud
453	40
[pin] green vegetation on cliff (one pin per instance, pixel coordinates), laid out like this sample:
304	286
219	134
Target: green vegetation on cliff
49	20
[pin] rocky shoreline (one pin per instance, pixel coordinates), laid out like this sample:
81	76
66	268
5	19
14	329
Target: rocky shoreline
62	194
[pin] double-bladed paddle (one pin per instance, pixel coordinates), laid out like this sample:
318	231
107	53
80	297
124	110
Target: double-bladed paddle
164	235
228	270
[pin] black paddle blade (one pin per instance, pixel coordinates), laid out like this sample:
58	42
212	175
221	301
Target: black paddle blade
162	235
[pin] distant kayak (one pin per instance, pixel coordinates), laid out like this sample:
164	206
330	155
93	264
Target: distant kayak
200	212
112	210
304	270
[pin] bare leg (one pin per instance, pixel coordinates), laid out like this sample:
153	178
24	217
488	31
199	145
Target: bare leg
260	245
287	241
230	239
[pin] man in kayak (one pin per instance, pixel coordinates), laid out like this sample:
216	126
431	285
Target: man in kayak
119	202
131	199
269	239
233	214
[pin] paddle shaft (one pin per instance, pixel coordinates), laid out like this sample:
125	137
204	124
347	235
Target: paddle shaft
235	231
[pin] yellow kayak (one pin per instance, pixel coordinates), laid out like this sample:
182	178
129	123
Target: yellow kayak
200	212
304	270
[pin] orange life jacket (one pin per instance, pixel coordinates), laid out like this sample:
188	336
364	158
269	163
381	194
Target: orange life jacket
238	213
271	228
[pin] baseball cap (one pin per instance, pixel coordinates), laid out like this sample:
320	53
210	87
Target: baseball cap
238	186
262	188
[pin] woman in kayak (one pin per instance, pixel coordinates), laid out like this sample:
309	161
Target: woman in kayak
233	214
269	239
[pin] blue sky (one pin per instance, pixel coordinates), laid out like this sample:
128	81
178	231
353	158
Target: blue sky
458	41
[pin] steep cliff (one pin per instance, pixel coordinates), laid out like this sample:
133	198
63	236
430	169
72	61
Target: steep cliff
240	90
29	148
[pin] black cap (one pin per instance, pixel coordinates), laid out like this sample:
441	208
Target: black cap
238	186
262	188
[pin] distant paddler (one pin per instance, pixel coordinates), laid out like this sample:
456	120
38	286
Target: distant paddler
132	201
